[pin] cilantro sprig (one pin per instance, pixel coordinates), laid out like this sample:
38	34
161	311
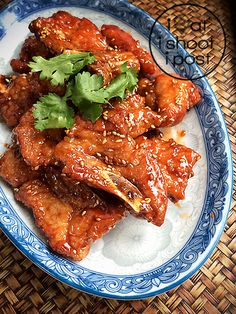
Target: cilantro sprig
59	69
88	93
52	111
84	90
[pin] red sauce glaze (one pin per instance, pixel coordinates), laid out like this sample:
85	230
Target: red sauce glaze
64	31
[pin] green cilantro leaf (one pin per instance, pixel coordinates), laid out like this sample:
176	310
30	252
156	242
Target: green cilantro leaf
59	69
88	88
131	75
117	87
91	111
52	111
87	91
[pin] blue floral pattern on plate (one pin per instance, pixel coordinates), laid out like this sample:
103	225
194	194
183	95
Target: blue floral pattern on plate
217	198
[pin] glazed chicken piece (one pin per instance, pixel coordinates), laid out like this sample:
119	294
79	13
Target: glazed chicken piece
145	88
31	47
120	154
123	41
176	163
131	117
14	170
73	192
174	97
170	97
37	147
69	230
19	93
87	169
62	31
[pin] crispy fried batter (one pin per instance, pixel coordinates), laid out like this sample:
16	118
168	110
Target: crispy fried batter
37	147
63	31
19	93
176	163
31	47
70	232
119	39
14	170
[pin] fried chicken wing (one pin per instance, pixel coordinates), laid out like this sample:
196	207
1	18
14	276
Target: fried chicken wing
37	147
174	97
31	47
70	232
170	97
119	39
19	93
63	31
14	170
176	163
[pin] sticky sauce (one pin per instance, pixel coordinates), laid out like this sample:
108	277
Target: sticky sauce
178	135
178	205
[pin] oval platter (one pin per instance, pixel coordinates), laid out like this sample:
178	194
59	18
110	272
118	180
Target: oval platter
135	260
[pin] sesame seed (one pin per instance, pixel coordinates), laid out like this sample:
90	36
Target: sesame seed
84	213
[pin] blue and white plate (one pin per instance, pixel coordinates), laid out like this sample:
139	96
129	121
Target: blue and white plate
136	260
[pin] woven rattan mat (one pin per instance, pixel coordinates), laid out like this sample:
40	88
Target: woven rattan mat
24	288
